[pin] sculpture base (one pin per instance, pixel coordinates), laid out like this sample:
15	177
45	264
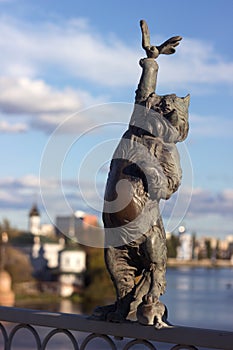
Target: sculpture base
147	313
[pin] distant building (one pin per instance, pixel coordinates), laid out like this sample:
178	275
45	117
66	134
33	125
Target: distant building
71	271
53	261
185	249
47	230
67	225
71	225
34	220
45	258
72	261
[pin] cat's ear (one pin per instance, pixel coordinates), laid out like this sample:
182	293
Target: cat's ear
186	99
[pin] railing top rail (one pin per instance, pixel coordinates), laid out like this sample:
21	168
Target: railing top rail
216	339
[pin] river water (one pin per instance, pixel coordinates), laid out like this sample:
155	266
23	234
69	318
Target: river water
195	297
200	297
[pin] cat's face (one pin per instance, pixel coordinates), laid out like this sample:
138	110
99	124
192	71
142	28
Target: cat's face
174	109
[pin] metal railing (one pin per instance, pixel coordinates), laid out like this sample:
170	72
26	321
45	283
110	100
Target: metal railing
116	335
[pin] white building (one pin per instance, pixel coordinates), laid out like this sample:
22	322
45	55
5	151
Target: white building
73	261
71	271
54	262
47	230
185	249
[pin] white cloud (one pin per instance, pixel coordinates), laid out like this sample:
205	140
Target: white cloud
18	194
29	180
227	194
74	48
6	127
44	106
202	201
24	95
210	125
196	62
67	46
8	198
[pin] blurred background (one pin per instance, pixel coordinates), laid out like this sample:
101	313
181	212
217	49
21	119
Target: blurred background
59	59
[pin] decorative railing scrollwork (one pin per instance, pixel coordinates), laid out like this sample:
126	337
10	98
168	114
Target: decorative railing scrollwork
23	326
90	337
147	344
56	331
4	334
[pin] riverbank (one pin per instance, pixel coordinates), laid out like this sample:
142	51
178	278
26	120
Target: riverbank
199	263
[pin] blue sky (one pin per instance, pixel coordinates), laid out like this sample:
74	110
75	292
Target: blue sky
60	58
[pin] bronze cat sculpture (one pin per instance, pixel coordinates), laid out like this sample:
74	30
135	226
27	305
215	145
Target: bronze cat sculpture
145	168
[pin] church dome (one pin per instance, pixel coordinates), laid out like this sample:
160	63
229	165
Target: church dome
34	211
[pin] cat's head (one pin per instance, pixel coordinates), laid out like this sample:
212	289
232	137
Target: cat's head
175	110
